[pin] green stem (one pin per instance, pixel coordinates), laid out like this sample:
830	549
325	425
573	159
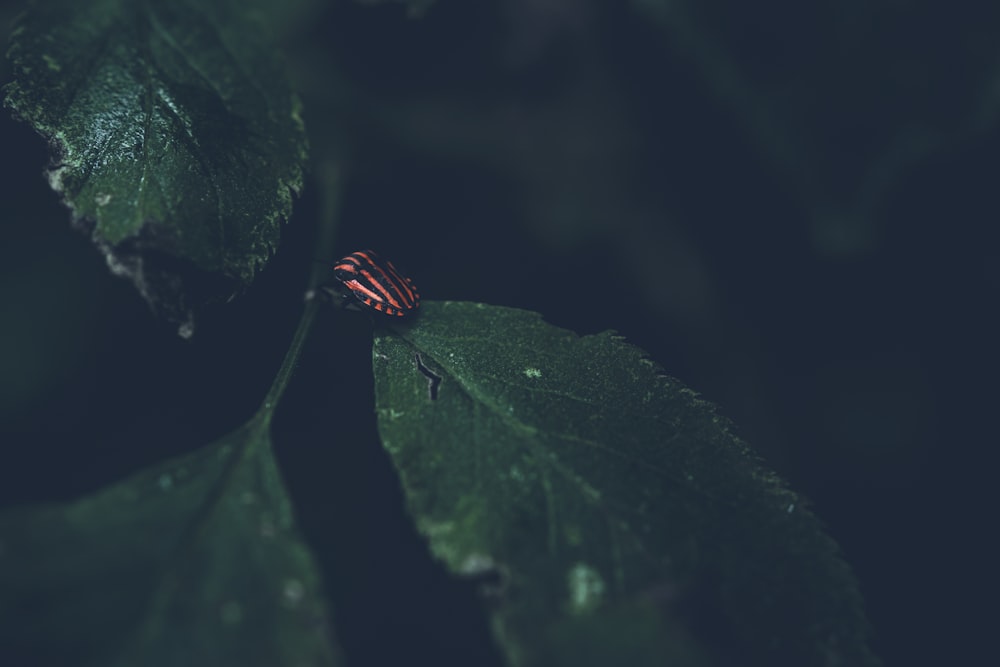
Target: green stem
329	177
290	362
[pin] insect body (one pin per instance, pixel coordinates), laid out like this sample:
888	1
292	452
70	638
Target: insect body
376	283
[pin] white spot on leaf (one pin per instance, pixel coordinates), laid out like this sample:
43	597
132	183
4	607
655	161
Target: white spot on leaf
292	593
476	563
533	372
56	179
586	588
102	199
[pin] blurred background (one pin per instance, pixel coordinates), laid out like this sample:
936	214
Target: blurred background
791	206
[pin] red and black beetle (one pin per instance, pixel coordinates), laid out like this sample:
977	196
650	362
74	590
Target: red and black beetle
376	283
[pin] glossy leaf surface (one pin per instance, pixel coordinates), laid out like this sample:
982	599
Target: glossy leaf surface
176	139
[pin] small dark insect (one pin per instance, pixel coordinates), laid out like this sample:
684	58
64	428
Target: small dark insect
376	284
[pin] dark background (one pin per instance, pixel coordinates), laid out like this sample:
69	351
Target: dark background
790	205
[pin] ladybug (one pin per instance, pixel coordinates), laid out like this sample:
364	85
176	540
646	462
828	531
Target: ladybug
376	284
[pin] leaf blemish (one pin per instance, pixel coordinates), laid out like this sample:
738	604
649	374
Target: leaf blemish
292	593
477	564
433	379
532	372
489	577
586	588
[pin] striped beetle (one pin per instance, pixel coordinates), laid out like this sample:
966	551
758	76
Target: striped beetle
376	284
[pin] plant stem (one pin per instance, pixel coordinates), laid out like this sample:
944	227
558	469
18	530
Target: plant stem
290	362
329	177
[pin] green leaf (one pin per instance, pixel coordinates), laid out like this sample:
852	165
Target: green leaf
193	562
614	514
177	140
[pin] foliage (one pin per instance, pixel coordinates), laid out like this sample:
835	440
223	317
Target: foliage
176	137
192	561
603	512
606	498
